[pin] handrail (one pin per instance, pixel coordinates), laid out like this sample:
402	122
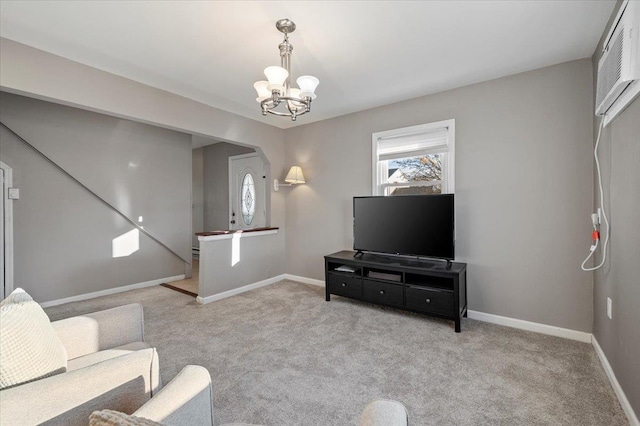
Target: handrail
132	222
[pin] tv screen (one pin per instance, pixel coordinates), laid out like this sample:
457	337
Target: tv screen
416	225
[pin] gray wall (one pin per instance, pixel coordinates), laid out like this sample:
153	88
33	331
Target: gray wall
197	194
63	235
220	272
216	183
619	279
54	78
523	188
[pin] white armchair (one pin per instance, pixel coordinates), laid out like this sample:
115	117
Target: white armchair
187	400
109	366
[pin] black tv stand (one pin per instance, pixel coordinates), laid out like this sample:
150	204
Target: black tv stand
418	285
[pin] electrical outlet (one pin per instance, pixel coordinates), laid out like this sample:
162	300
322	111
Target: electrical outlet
609	307
596	218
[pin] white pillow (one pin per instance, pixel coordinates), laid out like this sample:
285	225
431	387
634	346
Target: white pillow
29	346
116	418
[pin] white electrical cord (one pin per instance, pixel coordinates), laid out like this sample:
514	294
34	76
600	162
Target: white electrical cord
604	213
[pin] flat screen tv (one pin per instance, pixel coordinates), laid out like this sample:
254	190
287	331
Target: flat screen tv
412	225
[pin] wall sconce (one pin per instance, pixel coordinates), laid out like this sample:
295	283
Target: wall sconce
294	177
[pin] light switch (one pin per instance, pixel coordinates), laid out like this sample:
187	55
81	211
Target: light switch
14	193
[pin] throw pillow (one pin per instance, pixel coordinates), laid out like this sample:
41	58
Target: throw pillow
116	418
29	346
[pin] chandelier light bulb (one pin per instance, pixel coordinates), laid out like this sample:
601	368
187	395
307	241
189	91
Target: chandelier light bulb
307	85
262	87
294	93
276	76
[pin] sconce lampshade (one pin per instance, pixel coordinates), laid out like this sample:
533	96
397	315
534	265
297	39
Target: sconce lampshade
295	175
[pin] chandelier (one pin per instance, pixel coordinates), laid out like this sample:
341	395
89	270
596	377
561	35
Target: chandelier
276	96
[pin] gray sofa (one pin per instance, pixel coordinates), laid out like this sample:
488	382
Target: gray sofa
109	367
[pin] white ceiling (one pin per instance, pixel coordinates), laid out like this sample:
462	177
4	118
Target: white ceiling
366	53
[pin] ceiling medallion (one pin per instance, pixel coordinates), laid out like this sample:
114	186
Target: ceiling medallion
272	93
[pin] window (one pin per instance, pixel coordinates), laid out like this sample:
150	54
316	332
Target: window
248	198
414	160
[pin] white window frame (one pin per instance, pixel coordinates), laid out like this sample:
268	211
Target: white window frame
379	169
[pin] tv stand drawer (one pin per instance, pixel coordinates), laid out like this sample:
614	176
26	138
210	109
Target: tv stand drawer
382	293
345	286
430	300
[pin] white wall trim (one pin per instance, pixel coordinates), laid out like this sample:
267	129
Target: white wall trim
110	291
624	402
551	330
263	283
304	280
494	319
243	289
480	316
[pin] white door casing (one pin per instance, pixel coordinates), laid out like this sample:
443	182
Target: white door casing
6	231
242	170
2	258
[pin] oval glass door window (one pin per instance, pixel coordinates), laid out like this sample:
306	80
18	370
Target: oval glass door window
248	197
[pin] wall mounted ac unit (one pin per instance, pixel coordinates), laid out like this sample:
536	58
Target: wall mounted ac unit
619	66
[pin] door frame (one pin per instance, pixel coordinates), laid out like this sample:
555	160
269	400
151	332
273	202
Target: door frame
8	228
230	183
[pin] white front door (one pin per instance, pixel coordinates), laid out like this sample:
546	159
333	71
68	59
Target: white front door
247	192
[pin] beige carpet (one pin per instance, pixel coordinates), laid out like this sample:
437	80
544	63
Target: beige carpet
281	355
190	284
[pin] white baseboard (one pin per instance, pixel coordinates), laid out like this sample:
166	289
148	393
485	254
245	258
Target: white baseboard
229	293
531	326
480	316
494	319
537	328
304	280
268	281
624	402
109	291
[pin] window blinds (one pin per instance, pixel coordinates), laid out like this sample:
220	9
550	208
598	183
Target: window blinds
413	144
